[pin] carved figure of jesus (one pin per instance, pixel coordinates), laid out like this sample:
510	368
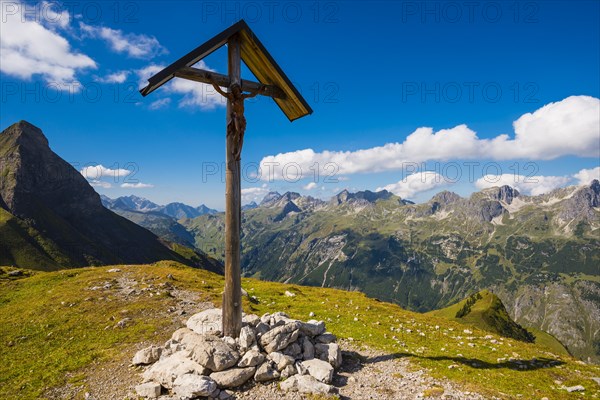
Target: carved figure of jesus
237	124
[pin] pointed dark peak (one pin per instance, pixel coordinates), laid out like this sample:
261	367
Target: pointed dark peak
507	194
289	196
25	133
341	197
270	198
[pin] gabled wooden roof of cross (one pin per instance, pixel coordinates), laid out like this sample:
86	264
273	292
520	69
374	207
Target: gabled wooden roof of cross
273	81
242	45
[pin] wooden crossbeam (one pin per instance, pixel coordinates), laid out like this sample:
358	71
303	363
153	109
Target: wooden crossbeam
209	77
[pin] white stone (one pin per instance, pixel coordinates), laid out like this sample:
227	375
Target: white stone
289	294
319	369
180	333
577	388
305	384
265	373
301	369
293	350
207	321
326	338
192	386
288	371
280	337
211	352
312	328
252	358
247	337
308	349
330	352
148	355
233	377
150	390
166	370
281	360
290	384
250	319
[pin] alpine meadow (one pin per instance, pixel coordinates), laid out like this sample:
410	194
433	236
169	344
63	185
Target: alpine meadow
389	200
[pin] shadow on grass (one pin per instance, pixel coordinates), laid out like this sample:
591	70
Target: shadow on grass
353	362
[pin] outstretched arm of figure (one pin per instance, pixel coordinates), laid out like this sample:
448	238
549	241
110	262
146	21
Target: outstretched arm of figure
255	93
221	91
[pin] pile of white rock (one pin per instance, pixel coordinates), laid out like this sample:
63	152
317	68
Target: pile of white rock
198	362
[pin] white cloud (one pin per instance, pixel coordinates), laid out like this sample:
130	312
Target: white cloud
567	127
310	186
116	77
102	184
533	185
31	46
415	183
586	176
138	185
50	16
99	171
195	94
160	103
134	45
255	194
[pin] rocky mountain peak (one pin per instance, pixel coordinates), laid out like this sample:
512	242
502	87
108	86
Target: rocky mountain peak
445	197
270	198
39	187
341	197
33	173
506	194
582	202
290	196
25	133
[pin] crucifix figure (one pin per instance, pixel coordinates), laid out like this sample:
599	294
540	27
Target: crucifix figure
237	121
242	45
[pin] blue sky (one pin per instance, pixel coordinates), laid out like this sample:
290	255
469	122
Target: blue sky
408	96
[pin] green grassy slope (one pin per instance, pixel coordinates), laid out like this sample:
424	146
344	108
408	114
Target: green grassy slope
23	245
485	311
53	325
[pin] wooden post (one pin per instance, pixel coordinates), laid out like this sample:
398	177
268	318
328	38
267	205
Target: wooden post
272	83
232	295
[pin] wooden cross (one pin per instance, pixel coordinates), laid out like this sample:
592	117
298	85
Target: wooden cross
242	45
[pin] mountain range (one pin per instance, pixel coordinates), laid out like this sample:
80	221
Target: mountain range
539	254
51	218
140	204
